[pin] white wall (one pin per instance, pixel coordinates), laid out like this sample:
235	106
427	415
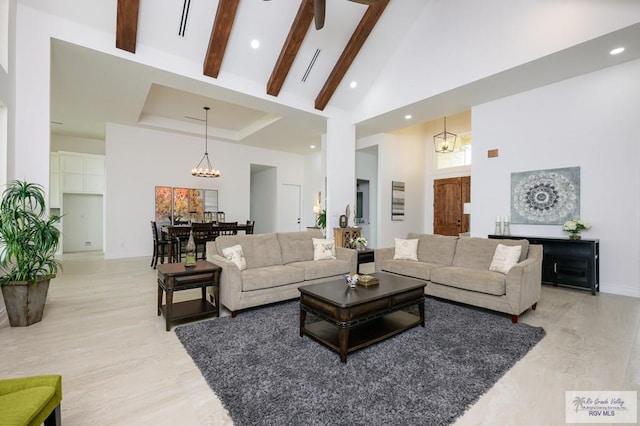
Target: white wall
7	107
313	184
339	147
489	37
590	121
139	159
76	144
400	158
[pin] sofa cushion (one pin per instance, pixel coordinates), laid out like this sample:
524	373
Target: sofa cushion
524	251
437	249
323	249
270	276
470	279
259	249
477	253
410	268
406	250
314	269
505	258
235	254
297	246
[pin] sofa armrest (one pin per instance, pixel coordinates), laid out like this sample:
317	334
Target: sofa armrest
8	386
230	280
350	256
524	281
383	254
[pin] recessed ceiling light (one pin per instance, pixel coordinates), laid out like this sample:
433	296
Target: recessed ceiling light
353	84
312	146
255	43
408	117
617	50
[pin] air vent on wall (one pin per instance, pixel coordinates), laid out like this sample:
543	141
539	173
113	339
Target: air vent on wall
183	19
313	61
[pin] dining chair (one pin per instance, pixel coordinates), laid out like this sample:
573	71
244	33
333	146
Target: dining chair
250	224
220	217
227	228
202	232
180	239
159	245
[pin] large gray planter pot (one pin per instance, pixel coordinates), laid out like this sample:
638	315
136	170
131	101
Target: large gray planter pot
25	301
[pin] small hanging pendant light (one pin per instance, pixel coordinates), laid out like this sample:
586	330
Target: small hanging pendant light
204	168
445	141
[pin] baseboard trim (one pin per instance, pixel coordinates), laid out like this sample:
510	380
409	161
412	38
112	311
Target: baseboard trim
621	291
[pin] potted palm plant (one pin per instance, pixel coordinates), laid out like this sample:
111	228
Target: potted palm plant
28	244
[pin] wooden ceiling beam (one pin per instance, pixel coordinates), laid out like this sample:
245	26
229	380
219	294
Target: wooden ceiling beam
362	31
291	46
225	15
127	25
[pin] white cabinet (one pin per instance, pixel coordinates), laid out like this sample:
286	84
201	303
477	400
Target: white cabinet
82	173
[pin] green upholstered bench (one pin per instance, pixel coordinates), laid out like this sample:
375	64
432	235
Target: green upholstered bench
30	401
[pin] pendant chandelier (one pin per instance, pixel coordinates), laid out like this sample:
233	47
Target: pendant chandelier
204	168
445	141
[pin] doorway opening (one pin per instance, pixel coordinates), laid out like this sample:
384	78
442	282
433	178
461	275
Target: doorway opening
263	193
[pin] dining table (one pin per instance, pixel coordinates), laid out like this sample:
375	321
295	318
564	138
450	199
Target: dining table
171	232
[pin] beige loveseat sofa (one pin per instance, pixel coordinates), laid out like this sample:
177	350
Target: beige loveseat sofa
458	269
277	264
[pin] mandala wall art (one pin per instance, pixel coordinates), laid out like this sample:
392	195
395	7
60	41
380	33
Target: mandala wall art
545	197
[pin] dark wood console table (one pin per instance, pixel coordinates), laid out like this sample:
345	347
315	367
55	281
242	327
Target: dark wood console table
175	277
566	262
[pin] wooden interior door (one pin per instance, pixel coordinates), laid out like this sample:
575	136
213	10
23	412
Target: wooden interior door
449	195
465	183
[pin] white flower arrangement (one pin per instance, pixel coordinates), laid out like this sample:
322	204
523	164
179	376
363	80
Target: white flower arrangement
362	241
575	226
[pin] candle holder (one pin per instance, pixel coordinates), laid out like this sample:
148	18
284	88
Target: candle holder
498	230
506	229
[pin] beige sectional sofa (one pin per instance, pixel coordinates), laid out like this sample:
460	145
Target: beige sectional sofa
458	269
276	265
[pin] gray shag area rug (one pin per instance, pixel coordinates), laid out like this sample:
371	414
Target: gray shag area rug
265	374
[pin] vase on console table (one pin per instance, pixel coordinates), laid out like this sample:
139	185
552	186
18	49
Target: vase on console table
575	236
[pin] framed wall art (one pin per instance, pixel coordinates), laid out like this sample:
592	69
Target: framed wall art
545	197
397	200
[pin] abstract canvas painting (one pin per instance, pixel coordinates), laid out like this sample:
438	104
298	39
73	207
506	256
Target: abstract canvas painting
545	197
397	200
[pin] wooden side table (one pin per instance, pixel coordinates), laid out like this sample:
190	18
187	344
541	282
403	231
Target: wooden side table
365	256
175	277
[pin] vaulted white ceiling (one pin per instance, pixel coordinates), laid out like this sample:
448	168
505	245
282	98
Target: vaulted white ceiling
90	88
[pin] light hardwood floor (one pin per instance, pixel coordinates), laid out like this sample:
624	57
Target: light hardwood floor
120	367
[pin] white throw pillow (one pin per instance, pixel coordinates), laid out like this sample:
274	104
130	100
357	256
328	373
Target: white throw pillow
504	258
236	255
406	249
323	249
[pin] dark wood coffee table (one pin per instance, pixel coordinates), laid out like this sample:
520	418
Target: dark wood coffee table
353	318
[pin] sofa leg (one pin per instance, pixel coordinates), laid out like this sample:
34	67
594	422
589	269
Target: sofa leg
54	418
514	319
534	306
234	314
